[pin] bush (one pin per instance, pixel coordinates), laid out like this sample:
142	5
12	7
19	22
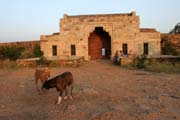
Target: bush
43	62
16	52
140	62
12	53
166	67
168	49
37	51
155	65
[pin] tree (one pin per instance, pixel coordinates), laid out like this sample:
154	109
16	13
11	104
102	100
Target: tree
168	49
176	29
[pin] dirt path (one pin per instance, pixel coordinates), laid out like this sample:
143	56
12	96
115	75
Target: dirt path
102	92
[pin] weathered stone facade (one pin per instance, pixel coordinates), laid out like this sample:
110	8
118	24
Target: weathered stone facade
86	35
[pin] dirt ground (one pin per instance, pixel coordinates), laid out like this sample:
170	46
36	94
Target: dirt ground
102	91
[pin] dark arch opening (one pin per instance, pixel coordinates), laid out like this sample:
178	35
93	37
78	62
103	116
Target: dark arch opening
98	40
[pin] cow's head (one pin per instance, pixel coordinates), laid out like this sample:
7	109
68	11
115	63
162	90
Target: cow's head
47	72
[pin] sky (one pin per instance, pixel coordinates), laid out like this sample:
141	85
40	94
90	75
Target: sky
24	20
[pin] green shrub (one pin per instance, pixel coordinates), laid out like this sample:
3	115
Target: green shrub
37	51
155	65
43	62
168	49
26	54
166	67
140	62
12	52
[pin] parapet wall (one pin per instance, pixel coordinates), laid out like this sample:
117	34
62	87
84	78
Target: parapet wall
26	44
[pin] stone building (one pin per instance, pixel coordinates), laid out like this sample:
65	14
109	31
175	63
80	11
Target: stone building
90	35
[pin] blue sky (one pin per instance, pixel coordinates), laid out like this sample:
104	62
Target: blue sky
23	20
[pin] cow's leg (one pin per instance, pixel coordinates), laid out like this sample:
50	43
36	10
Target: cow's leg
60	97
36	82
66	93
42	82
71	87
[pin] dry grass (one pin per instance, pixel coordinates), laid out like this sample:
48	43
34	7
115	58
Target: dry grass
163	67
155	65
8	64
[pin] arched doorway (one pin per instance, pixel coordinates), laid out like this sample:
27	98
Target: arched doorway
98	40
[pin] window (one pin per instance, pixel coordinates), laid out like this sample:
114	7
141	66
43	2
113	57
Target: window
54	50
125	49
146	49
73	50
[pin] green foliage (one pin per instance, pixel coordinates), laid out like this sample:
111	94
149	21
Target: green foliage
16	52
26	54
155	66
140	62
176	29
12	52
168	49
166	67
43	62
37	51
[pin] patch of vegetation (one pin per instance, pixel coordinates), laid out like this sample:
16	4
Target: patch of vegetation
140	62
26	54
18	52
176	29
167	67
43	62
37	51
12	53
154	65
168	49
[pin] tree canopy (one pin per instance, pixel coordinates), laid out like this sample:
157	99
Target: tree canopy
176	29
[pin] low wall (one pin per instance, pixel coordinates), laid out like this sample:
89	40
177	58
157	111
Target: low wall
71	61
33	62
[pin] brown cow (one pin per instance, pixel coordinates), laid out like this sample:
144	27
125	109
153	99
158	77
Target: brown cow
41	74
61	82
